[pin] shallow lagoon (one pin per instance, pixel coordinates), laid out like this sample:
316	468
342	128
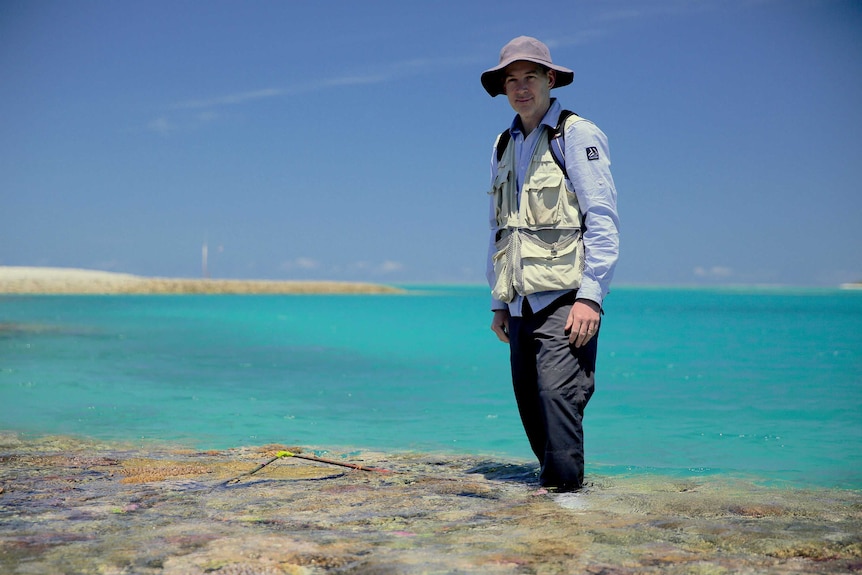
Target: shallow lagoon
751	382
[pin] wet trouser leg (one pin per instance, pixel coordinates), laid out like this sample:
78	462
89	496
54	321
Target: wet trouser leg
553	381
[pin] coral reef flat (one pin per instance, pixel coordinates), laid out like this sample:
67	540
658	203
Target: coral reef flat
70	505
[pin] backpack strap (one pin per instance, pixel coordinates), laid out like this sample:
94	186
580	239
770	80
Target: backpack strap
502	142
556	140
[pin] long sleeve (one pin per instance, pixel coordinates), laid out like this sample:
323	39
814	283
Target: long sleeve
588	167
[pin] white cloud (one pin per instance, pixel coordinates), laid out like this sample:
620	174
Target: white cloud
351	80
165	126
385	267
580	39
620	14
207	116
714	272
161	126
195	113
307	263
300	263
231	99
390	266
383	73
239	98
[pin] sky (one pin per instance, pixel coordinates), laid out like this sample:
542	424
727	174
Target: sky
345	140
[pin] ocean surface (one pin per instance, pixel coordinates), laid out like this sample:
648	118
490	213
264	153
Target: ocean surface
764	384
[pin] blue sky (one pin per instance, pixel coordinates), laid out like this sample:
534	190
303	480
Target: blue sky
351	140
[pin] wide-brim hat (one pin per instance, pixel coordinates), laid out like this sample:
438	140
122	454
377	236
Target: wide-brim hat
530	50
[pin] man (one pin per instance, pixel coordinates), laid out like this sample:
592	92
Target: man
554	245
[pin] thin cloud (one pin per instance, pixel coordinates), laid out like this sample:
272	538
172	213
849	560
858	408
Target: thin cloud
385	73
178	117
300	263
620	14
714	272
390	266
582	38
352	80
306	264
161	126
240	98
230	99
165	126
207	116
638	11
385	267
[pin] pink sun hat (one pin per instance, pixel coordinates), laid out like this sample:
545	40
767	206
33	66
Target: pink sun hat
530	50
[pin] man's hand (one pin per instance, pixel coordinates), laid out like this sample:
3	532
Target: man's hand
500	324
583	322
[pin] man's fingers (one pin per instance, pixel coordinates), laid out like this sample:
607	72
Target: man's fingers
586	331
500	326
502	333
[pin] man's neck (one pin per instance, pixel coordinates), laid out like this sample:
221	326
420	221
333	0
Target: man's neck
528	126
532	123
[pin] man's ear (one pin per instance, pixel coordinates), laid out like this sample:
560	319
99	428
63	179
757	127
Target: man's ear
552	78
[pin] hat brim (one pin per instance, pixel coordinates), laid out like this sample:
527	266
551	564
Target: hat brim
492	79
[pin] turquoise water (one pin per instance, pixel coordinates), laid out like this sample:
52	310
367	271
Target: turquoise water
764	383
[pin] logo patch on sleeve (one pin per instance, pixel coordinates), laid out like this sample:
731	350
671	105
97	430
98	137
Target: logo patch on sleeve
592	153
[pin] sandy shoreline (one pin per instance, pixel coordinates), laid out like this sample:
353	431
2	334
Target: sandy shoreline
77	506
57	281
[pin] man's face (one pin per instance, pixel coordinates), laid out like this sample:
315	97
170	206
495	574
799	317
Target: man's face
528	87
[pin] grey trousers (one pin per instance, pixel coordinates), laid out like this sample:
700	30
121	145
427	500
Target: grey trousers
553	381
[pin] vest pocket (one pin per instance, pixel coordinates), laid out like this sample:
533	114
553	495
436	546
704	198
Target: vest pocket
503	289
525	263
543	195
503	207
552	266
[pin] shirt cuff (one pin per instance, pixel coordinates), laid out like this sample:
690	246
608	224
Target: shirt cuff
591	291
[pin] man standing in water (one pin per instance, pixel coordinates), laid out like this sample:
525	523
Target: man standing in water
554	245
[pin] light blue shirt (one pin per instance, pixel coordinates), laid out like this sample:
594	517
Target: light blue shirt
588	172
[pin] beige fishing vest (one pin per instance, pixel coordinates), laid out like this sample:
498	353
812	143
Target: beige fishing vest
538	243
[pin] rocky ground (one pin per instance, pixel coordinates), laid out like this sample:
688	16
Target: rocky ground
72	506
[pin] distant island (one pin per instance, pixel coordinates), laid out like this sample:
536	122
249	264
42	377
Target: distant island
853	285
71	281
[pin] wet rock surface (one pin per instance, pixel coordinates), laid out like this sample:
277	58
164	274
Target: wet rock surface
72	506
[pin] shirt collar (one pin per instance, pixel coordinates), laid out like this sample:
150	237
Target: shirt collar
549	119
